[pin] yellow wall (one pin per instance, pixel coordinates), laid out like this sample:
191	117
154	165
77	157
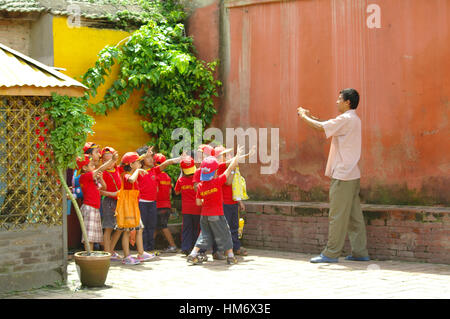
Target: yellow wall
76	49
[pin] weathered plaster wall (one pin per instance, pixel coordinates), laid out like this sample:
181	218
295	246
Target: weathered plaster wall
278	55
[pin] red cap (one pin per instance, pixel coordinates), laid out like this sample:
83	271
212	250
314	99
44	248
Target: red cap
82	161
188	165
106	150
208	167
130	157
89	145
206	149
159	158
219	150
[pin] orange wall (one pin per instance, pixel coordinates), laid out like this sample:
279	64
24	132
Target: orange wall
280	55
76	50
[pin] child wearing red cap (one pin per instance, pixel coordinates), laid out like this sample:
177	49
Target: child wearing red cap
213	224
91	197
93	150
230	206
148	187
189	209
163	204
113	182
131	165
205	151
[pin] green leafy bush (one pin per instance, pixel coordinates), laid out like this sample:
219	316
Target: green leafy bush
158	59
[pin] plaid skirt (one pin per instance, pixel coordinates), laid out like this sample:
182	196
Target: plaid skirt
93	223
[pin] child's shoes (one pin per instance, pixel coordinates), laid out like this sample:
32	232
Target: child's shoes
130	261
116	257
170	249
146	257
232	260
218	256
203	257
194	260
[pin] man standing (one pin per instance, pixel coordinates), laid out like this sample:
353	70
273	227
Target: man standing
345	214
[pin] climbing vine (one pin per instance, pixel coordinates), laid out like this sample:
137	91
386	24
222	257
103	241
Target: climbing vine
159	60
71	126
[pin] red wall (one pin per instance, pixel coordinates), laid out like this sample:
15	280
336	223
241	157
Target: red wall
279	55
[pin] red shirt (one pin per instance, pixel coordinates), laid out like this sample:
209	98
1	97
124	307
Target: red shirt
227	190
196	178
112	180
185	185
164	189
91	193
211	193
127	185
148	185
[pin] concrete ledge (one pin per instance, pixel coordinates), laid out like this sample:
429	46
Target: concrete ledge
396	232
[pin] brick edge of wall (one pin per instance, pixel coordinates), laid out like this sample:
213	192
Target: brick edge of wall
394	232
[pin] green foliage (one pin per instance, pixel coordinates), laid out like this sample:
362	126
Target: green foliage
71	128
152	10
178	88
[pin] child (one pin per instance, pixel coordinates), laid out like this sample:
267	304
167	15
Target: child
205	151
163	204
213	224
230	206
189	209
93	150
148	188
131	164
91	197
113	182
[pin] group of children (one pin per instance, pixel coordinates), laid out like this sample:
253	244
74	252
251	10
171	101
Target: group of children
210	214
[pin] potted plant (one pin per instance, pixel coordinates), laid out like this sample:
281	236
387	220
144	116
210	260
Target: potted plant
71	126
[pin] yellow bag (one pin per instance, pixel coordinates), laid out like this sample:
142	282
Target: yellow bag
127	213
239	186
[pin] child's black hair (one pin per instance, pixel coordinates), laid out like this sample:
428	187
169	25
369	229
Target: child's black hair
142	150
127	168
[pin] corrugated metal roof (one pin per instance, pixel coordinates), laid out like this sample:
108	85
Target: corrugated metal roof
17	69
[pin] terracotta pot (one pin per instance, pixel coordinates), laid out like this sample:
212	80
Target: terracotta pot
92	269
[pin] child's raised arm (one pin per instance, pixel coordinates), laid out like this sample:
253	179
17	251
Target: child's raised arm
171	161
234	161
252	151
106	164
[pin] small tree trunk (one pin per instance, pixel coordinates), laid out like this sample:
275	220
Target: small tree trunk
77	209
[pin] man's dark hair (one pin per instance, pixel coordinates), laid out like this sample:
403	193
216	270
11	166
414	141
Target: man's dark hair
142	150
127	168
351	95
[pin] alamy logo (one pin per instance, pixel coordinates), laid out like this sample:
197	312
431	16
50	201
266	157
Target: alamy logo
374	19
257	139
74	16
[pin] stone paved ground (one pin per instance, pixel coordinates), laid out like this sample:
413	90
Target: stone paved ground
262	274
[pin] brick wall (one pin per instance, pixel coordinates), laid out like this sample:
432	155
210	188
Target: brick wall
16	35
31	258
393	232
